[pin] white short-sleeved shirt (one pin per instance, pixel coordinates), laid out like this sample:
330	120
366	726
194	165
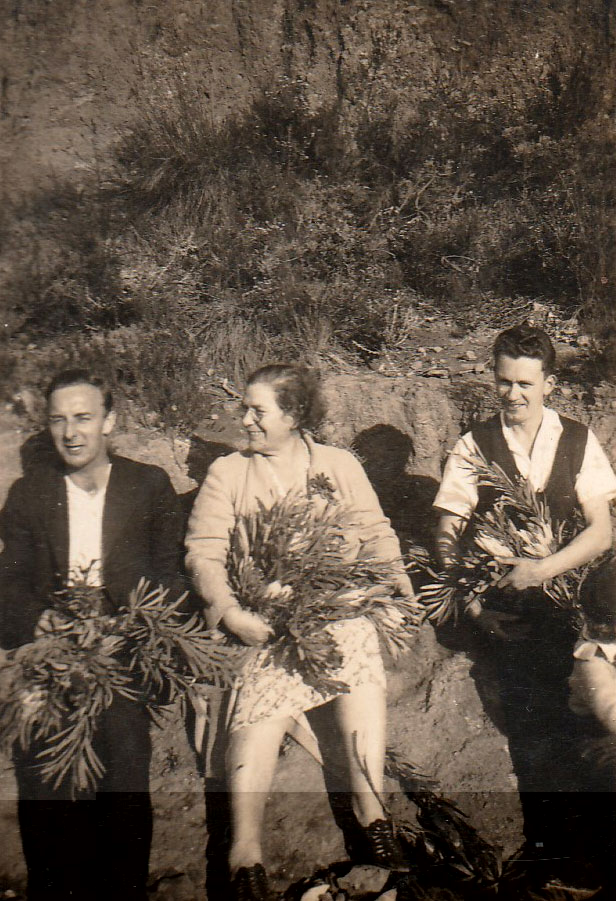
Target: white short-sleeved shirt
458	490
85	531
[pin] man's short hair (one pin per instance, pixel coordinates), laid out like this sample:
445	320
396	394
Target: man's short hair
69	377
526	341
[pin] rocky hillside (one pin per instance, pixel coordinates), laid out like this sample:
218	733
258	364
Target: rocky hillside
443	714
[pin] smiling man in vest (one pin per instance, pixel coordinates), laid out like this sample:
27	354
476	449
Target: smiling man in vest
530	640
116	520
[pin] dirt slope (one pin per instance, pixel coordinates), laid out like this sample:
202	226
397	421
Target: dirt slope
74	73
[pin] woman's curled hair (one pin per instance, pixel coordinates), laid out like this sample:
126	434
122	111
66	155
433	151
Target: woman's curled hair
297	389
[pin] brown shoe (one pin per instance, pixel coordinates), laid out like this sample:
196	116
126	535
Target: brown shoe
382	846
250	884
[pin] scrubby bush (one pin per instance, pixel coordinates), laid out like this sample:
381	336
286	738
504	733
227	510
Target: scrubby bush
302	230
155	375
65	266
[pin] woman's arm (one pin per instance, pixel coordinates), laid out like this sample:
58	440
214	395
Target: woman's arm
207	541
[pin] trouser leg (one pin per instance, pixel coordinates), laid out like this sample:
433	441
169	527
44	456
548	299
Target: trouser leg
88	849
58	839
542	735
124	808
57	834
124	824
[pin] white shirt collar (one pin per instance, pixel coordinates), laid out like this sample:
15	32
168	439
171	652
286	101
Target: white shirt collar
586	649
536	466
549	429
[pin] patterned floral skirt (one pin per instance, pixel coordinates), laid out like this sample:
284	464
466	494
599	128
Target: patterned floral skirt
269	691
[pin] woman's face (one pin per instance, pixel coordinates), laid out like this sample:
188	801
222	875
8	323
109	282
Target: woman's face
268	427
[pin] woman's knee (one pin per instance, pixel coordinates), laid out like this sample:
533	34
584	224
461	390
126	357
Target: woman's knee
253	745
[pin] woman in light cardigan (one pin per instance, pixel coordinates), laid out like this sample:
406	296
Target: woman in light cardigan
280	403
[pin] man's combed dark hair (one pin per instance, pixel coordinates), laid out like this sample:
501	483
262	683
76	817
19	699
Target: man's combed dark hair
297	390
69	377
526	341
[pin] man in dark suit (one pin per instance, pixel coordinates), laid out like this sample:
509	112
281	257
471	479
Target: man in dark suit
117	520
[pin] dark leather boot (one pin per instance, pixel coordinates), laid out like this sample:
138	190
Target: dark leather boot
382	847
250	884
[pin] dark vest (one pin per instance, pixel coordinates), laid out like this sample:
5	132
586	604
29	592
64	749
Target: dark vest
559	493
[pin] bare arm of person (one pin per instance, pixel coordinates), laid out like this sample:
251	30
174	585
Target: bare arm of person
212	518
211	583
592	541
448	533
593	691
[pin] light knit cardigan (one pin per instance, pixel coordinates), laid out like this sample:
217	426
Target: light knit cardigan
235	483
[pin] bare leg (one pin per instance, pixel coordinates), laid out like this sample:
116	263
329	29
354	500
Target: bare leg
251	761
361	716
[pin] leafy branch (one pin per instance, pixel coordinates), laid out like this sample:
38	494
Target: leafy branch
519	524
55	688
290	563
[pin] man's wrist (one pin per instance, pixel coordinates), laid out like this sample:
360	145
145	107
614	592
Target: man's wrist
230	610
546	569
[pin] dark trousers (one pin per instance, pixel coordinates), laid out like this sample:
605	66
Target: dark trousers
566	818
95	846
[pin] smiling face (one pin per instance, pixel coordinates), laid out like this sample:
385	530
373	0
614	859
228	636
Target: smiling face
268	427
522	386
79	425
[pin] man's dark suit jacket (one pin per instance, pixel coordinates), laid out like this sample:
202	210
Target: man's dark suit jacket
142	536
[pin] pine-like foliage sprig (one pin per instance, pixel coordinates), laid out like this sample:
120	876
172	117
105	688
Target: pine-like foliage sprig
445	835
168	651
291	564
519	524
55	688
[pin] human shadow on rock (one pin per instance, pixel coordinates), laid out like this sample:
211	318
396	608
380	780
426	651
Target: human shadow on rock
406	499
201	454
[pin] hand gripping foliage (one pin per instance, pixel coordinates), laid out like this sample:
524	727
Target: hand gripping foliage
291	565
518	525
54	688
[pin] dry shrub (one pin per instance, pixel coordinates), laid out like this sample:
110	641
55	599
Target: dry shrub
62	265
296	230
150	372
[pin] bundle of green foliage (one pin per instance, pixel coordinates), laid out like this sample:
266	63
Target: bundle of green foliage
55	687
290	564
518	525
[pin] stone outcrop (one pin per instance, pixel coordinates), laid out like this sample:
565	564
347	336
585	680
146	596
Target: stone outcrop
403	424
